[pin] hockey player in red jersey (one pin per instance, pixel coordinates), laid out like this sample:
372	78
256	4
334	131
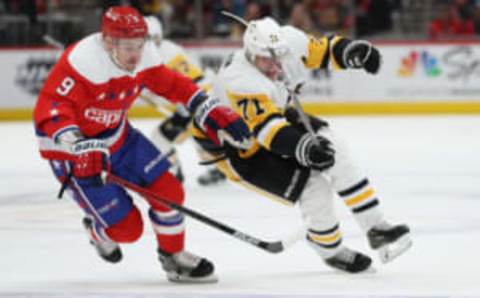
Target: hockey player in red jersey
83	130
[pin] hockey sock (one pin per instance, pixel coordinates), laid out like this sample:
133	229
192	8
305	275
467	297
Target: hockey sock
325	242
364	204
169	227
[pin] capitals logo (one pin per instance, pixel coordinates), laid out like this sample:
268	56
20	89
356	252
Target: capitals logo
105	117
423	59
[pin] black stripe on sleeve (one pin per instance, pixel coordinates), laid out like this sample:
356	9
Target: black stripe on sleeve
338	51
270	117
326	58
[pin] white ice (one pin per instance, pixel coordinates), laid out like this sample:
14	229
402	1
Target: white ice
426	171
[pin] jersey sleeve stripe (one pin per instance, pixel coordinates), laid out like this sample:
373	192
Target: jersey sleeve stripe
262	124
269	131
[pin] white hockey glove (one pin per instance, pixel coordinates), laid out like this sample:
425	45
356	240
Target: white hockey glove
362	54
315	152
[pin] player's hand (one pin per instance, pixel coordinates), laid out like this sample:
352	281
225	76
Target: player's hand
362	54
91	160
222	124
315	152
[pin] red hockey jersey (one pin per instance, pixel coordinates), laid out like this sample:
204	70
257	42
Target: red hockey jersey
86	90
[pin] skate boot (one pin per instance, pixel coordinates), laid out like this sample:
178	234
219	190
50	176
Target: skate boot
389	240
212	176
349	261
107	250
184	267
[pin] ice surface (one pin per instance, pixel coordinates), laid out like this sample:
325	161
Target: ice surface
426	171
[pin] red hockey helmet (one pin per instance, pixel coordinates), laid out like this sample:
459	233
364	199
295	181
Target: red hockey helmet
123	22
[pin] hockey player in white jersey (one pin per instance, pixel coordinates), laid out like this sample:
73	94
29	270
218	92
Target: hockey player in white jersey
287	162
175	128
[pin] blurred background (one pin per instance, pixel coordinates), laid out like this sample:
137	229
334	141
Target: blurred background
24	22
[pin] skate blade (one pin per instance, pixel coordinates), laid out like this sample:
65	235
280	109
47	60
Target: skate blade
391	251
370	270
178	278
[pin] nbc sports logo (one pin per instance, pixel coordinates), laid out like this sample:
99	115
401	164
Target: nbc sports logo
427	61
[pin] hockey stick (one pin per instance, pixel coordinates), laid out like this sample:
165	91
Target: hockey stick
163	110
53	42
303	117
271	247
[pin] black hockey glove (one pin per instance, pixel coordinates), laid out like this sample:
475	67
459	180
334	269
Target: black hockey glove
315	152
292	116
362	54
173	126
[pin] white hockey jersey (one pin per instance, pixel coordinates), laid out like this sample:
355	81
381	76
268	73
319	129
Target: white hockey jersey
257	98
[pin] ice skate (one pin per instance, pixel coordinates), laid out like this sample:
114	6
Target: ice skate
185	267
389	240
212	176
107	250
349	261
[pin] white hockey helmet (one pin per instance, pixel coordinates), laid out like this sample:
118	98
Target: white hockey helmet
262	37
155	28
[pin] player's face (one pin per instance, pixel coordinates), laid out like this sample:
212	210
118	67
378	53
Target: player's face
128	52
268	66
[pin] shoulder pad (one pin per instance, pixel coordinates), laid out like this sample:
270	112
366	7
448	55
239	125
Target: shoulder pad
90	59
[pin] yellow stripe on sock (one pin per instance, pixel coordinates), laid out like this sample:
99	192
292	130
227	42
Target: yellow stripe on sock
326	239
361	197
